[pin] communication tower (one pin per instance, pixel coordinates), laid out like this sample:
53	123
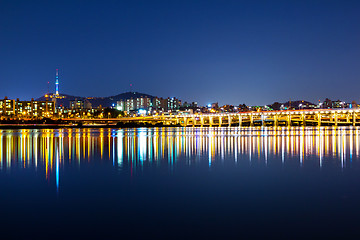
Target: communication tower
57	83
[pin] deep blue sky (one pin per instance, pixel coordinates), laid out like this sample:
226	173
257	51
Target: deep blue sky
253	52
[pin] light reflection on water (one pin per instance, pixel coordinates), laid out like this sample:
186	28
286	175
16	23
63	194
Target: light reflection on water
51	150
180	181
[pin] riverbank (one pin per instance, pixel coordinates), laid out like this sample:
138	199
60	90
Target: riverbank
79	125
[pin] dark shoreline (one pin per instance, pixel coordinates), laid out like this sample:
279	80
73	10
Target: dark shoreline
59	126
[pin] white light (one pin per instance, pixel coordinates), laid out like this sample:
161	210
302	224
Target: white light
142	111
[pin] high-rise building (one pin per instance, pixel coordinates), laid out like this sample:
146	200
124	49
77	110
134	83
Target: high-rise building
43	108
76	104
7	107
158	104
24	108
80	104
10	107
172	104
149	104
132	104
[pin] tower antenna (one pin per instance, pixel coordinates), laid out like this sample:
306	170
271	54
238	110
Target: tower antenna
57	83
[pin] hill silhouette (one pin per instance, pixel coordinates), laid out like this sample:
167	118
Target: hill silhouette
97	101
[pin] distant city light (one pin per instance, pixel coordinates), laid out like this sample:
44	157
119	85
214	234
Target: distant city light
142	112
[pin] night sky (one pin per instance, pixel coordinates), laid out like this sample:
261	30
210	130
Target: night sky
231	52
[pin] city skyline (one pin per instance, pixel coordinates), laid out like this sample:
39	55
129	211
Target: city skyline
234	52
57	94
193	119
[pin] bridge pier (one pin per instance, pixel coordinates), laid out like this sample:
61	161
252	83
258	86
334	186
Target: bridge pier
336	119
289	120
303	118
276	123
354	119
185	122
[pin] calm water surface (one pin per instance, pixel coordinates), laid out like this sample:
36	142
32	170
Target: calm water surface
180	183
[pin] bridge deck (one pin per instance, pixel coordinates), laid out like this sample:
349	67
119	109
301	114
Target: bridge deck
275	118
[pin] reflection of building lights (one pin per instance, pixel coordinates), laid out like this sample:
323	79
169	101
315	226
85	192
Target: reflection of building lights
50	148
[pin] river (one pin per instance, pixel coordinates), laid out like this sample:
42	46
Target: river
297	182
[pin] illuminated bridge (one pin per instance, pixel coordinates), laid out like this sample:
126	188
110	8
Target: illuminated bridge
276	118
319	117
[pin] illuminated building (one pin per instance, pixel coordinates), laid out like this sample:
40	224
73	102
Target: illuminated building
120	105
7	107
76	104
190	105
338	104
132	104
161	104
143	103
10	107
43	108
24	107
146	103
167	104
172	104
80	104
157	103
129	104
